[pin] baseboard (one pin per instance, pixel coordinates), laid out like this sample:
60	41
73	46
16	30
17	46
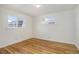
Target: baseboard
77	46
14	42
59	42
11	43
55	40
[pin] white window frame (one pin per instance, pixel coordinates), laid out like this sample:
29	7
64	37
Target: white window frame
15	19
49	20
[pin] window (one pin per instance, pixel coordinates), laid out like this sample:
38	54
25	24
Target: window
14	22
49	20
20	22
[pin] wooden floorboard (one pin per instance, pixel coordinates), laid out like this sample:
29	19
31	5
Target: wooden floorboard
39	46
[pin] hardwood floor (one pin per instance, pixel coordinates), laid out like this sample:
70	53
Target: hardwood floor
39	46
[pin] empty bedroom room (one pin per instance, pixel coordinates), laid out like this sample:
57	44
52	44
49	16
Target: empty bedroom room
39	29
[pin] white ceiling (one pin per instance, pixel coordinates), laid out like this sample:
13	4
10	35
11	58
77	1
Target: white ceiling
44	9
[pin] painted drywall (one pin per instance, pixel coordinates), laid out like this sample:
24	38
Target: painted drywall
12	35
34	27
77	26
62	31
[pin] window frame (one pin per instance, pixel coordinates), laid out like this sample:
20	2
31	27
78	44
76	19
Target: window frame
16	20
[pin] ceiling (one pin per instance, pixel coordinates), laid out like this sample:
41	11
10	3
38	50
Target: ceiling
31	10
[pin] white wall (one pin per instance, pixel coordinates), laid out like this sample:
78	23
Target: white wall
77	27
9	35
62	31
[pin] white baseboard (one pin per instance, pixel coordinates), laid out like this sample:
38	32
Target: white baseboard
12	42
77	46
